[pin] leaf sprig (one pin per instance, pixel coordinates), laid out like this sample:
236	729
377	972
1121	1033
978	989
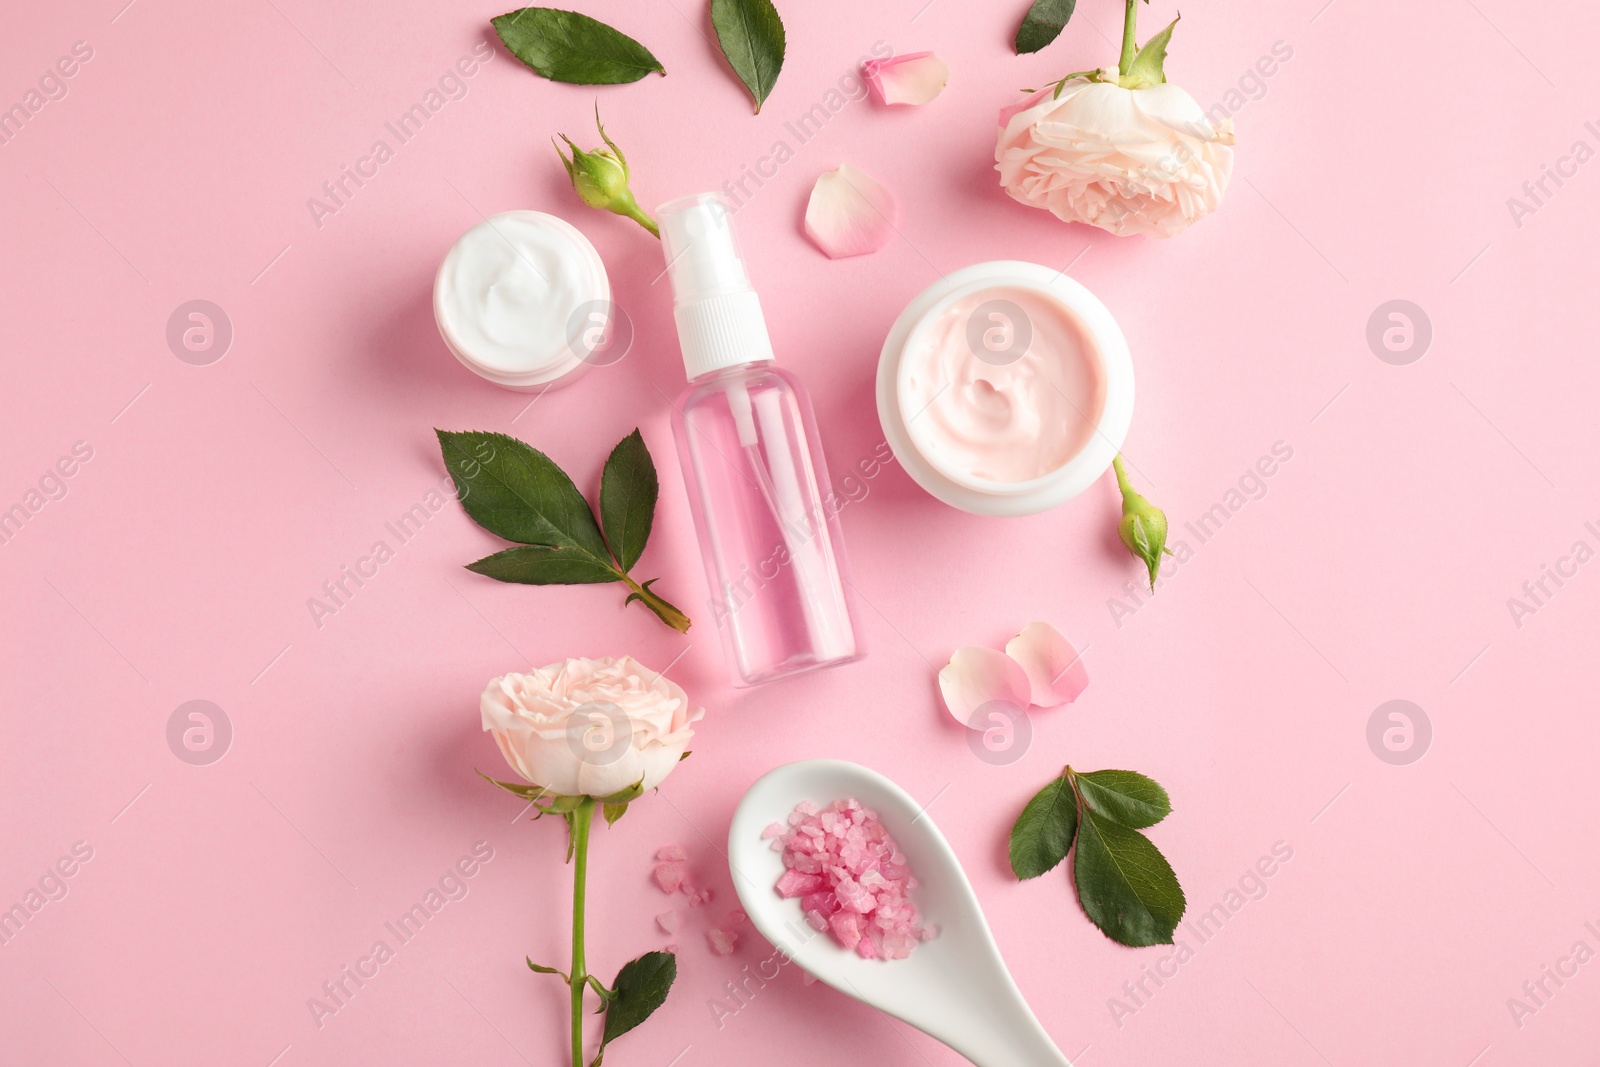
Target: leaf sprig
751	37
517	492
565	46
1125	885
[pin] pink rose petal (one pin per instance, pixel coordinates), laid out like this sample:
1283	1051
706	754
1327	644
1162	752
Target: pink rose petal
909	79
1055	671
849	214
1029	100
977	676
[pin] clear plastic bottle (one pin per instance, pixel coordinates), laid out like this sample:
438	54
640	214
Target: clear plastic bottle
753	464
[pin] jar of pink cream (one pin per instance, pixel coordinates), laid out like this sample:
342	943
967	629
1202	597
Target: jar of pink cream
1005	388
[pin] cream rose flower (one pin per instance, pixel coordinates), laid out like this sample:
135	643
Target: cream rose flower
590	727
1128	160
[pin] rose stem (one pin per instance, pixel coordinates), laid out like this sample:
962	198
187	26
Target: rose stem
1122	475
582	816
1130	49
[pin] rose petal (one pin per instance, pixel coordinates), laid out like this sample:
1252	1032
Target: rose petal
849	214
976	676
1055	671
909	79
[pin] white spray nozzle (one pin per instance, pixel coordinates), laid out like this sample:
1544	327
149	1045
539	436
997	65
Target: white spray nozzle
702	251
718	314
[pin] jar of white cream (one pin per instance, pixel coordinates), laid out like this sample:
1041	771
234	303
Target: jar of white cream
522	299
1005	388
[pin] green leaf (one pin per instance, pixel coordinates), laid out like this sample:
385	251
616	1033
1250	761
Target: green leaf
519	493
1125	884
1126	797
623	796
641	987
565	46
542	565
613	812
535	793
751	35
541	969
1043	833
1149	66
628	491
1043	23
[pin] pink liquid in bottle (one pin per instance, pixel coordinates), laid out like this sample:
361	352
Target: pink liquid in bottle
753	465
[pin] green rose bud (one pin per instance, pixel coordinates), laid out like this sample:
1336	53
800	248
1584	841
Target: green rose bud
600	178
1143	527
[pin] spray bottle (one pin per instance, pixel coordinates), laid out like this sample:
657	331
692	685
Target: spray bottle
752	462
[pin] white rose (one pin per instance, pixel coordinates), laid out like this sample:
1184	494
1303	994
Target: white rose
590	727
1129	161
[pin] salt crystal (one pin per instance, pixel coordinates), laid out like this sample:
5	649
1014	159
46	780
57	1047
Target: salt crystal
672	852
669	921
722	941
669	876
851	878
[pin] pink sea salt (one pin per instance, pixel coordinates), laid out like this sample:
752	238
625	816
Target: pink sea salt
722	941
672	852
669	875
851	879
669	921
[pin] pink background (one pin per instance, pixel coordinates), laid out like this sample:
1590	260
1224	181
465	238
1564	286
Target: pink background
1373	165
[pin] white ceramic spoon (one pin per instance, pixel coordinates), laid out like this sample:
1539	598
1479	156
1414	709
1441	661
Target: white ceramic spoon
955	987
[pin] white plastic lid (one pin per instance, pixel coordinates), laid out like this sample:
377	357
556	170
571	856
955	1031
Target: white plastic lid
509	293
719	317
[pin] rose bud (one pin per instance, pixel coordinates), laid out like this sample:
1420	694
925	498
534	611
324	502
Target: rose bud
1143	527
600	178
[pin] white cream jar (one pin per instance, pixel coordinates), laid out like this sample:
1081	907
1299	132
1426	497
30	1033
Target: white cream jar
1005	388
519	299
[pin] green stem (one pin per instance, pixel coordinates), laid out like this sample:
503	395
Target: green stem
1122	475
1130	48
578	977
663	608
632	210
